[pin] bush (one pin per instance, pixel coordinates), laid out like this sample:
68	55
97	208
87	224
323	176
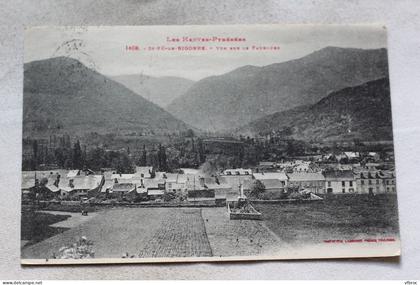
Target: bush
168	196
257	189
81	249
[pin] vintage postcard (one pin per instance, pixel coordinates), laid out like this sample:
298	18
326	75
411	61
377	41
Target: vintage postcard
207	143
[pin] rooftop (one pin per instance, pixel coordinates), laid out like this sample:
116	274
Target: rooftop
272	184
238	171
339	175
270	175
305	176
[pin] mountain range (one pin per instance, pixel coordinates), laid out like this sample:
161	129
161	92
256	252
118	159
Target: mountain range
333	94
63	95
234	99
359	112
159	90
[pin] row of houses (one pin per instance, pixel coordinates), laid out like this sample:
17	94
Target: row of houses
362	180
144	183
61	183
147	184
310	162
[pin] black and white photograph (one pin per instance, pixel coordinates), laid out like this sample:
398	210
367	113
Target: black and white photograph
207	143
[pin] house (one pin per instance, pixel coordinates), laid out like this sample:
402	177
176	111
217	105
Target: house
267	165
302	166
154	194
371	166
144	171
376	182
373	156
273	185
237	172
190	171
209	189
389	181
273	181
125	186
41	184
155	188
160	175
271	175
237	180
119	190
340	166
236	177
81	186
312	181
201	195
139	193
73	173
351	155
329	157
221	188
289	164
194	182
176	183
107	187
340	182
341	157
119	177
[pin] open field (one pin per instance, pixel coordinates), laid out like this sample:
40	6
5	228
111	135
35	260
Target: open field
203	232
336	217
138	232
181	234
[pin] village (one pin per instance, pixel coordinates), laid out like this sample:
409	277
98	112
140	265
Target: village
343	173
273	206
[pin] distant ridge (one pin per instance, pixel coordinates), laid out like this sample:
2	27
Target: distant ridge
63	95
159	90
245	94
360	112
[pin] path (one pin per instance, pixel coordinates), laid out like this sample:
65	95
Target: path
75	220
148	232
238	237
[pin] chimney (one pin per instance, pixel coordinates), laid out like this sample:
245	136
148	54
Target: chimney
71	184
57	180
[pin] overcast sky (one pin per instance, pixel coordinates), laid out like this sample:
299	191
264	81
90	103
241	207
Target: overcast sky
103	48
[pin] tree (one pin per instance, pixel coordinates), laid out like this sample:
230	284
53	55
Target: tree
257	188
143	158
77	156
192	145
189	133
162	160
95	158
122	163
201	154
35	154
209	168
241	156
